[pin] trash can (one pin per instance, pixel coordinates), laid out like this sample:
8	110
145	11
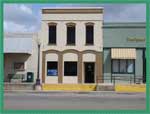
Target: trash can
30	76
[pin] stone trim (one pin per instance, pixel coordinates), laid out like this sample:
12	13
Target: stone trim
89	24
70	24
52	24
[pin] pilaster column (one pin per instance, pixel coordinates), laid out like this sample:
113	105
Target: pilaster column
60	68
80	67
99	68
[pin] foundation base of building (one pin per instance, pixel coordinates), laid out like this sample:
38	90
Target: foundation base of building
78	87
130	88
69	87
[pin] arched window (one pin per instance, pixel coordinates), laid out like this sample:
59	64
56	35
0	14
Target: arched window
89	33
71	33
52	33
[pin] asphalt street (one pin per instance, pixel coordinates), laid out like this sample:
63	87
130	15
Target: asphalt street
74	100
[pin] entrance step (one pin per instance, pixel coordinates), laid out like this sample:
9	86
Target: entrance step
69	87
105	87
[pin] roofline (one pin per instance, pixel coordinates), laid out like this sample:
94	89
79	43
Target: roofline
19	34
70	10
124	25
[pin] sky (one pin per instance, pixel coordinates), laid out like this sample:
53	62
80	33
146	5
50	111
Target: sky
27	17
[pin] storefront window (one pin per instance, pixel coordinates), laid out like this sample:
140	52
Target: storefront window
70	68
115	66
123	66
19	66
52	69
130	66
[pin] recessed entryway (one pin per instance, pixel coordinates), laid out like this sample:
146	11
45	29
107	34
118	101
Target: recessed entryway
89	71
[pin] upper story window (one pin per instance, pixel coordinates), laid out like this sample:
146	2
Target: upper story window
71	33
89	33
52	33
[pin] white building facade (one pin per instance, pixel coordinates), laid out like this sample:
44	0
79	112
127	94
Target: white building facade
71	45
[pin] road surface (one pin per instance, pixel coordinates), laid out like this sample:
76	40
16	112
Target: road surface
74	100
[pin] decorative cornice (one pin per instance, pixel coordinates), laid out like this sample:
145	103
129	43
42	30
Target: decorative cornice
69	11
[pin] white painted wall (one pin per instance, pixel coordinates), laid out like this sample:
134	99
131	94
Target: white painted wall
51	80
83	17
80	36
70	57
70	79
51	57
80	20
89	57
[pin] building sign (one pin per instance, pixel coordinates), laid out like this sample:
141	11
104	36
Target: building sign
134	39
52	72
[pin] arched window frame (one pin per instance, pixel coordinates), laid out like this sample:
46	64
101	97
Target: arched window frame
89	41
52	39
69	39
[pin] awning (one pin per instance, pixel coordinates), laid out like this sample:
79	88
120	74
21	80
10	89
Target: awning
18	45
123	53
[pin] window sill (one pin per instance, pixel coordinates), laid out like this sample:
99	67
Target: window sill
121	73
52	76
51	44
89	44
19	70
70	45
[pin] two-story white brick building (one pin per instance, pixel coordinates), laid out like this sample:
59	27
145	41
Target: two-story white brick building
71	45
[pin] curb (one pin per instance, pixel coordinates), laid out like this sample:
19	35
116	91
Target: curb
32	91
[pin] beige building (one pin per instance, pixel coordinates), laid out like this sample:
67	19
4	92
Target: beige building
71	45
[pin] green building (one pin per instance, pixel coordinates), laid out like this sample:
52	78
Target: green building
124	53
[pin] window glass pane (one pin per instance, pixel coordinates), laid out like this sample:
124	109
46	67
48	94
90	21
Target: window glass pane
89	34
52	69
71	35
70	68
130	67
115	66
18	66
123	66
52	34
